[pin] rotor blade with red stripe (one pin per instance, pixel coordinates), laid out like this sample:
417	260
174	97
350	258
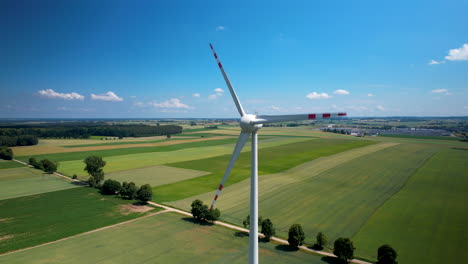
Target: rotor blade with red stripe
243	138
265	119
228	83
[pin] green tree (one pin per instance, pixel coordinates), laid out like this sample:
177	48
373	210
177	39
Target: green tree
145	193
321	240
94	167
92	181
110	187
6	153
212	215
197	210
49	166
201	212
246	221
343	248
129	190
268	229
296	236
386	255
36	164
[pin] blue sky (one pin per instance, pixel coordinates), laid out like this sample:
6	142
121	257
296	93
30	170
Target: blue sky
151	59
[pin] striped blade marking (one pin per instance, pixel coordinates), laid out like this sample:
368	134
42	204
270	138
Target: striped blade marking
216	57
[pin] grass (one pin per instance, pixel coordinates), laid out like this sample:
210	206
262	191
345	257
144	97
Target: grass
81	155
8	164
25	181
197	134
134	161
120	143
334	195
423	137
97	137
163	238
271	160
155	175
426	221
38	219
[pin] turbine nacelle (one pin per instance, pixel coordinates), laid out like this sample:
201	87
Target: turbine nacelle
248	125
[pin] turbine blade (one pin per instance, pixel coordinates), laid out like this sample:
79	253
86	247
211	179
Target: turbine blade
243	137
233	93
265	119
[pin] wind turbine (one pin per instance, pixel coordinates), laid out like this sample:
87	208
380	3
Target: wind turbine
250	124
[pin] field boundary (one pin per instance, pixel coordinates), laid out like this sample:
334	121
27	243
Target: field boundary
85	233
55	173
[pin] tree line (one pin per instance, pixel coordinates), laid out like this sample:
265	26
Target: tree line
343	248
21	140
83	132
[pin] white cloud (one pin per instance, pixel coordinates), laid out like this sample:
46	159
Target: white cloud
458	54
49	93
133	96
381	108
315	95
219	28
109	96
274	107
466	107
171	103
219	90
370	95
196	95
139	104
434	62
341	92
440	91
212	96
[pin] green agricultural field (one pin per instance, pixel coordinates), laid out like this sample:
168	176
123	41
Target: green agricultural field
271	160
134	161
426	221
162	238
24	181
37	219
155	175
81	155
335	195
8	164
111	143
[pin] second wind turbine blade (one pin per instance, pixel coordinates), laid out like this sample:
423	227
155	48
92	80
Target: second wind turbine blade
228	83
243	137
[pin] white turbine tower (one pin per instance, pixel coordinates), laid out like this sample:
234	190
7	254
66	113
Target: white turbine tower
250	124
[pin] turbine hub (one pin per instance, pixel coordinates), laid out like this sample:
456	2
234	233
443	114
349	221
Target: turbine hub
246	124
